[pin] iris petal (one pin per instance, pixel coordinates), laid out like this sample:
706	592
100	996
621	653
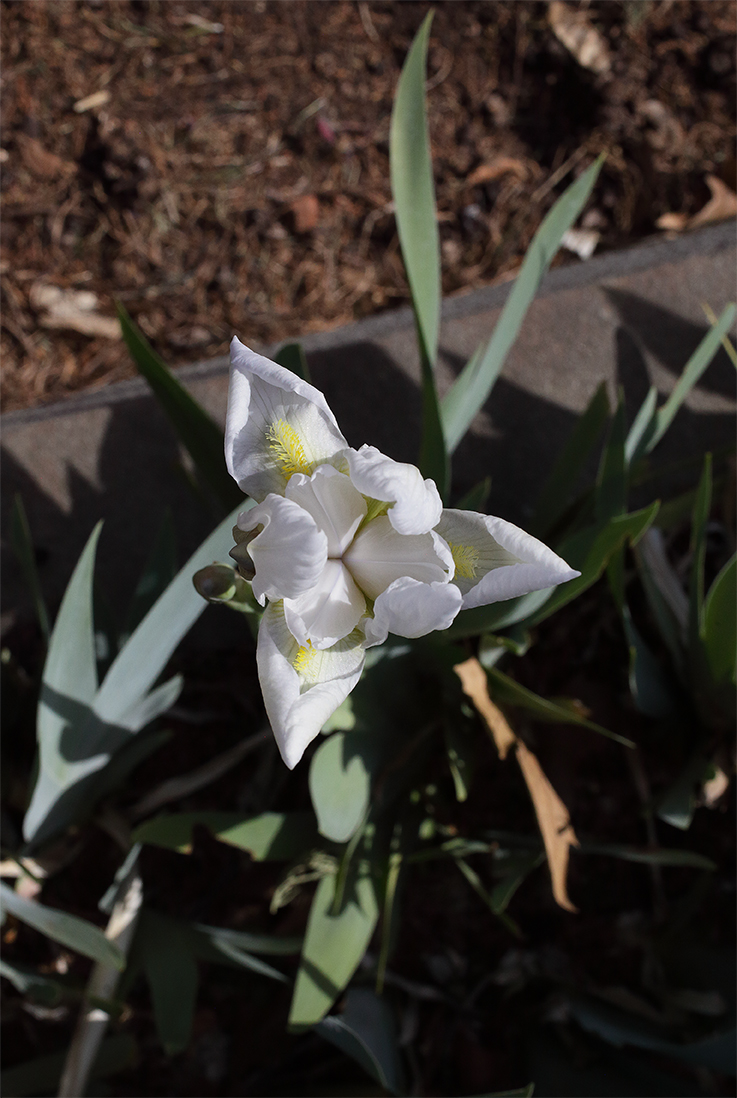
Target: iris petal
327	612
496	560
379	555
416	504
302	687
289	554
276	425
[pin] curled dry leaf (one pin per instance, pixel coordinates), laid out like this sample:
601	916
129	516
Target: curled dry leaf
493	169
582	242
721	206
40	162
555	823
476	686
579	36
74	310
552	815
92	102
306	212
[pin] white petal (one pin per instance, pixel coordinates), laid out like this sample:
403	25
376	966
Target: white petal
289	554
302	687
412	609
276	424
327	612
336	506
416	503
496	560
379	555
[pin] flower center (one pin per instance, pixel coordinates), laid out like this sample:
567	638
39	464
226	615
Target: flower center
466	560
286	449
304	657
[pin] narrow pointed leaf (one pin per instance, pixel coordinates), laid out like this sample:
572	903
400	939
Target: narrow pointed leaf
199	434
661	419
158	572
148	649
472	387
292	357
340	784
720	625
68	930
68	687
610	497
413	191
333	948
276	836
172	975
558	488
365	1031
640	425
20	534
506	690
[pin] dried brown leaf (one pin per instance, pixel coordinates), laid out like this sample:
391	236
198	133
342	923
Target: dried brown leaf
576	32
41	162
721	205
485	173
306	212
555	823
476	685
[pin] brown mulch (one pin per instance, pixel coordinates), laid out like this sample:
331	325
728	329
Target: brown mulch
231	173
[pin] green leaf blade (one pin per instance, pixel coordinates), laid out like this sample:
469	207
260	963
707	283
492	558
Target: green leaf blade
473	386
199	434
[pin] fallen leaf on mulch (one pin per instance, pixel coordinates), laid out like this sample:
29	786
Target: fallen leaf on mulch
552	815
40	161
92	102
582	242
74	310
306	213
485	173
576	32
721	206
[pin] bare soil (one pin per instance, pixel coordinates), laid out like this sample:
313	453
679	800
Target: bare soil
231	173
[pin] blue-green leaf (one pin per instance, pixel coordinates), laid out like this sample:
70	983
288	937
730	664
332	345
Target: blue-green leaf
333	948
719	630
413	191
20	534
292	357
171	971
68	930
651	433
340	784
68	687
199	434
365	1031
149	648
558	488
276	836
473	385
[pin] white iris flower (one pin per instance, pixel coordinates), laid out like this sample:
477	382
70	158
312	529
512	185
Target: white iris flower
348	546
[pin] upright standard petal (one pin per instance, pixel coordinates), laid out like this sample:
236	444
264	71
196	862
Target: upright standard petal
301	685
327	612
495	560
276	424
379	555
289	554
409	608
336	506
415	505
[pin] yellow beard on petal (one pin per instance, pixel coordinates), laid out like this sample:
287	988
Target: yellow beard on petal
303	659
466	560
286	449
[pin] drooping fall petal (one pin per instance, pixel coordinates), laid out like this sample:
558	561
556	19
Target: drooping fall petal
302	686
